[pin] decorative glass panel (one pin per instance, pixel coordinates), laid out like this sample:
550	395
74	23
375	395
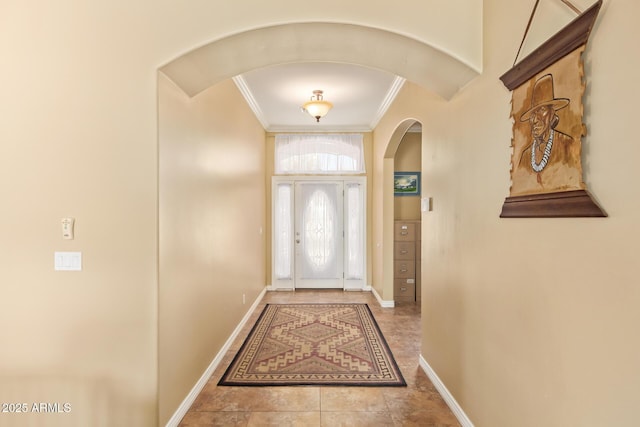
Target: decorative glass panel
355	232
321	230
283	232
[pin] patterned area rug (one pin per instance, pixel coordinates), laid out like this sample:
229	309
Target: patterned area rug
314	344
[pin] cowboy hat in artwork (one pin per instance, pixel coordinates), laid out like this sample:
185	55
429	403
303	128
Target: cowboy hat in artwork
543	96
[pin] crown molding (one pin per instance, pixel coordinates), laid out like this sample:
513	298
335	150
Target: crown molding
253	104
244	89
397	84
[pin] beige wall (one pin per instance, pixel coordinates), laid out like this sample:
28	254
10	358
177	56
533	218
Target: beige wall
531	322
520	334
211	217
408	158
79	137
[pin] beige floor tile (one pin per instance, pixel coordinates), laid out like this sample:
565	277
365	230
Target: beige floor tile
259	399
418	407
216	419
356	419
424	418
285	419
352	399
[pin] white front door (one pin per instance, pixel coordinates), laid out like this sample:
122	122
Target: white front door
319	234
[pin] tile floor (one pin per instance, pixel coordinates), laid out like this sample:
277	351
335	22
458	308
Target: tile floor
418	404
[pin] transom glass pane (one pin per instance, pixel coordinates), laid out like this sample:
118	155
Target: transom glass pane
319	154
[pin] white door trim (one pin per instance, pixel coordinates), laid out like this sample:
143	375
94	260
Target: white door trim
283	277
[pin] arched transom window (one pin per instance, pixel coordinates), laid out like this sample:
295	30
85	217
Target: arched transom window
321	154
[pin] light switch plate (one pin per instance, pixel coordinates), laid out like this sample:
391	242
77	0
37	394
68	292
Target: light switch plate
67	228
426	204
67	261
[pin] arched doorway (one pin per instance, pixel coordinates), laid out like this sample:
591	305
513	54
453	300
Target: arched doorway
389	212
222	59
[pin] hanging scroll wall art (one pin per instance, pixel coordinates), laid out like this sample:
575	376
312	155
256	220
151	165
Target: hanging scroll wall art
546	108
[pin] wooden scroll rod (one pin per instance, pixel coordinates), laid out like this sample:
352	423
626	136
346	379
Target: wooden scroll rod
575	34
571	6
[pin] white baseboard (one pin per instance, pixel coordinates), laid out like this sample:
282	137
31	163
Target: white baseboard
446	395
195	391
383	303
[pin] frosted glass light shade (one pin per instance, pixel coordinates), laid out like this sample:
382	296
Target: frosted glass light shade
317	107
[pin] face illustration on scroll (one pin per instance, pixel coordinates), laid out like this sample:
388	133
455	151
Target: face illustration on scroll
540	121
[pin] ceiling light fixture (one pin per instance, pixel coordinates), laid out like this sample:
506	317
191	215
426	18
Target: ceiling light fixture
317	107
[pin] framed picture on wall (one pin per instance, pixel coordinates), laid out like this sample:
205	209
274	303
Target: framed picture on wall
547	89
406	183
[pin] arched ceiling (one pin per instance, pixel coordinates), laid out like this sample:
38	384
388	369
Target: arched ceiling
319	53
